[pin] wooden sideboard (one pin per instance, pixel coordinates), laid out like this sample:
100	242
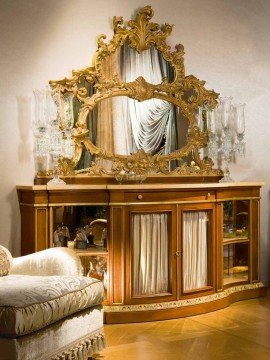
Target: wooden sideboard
225	249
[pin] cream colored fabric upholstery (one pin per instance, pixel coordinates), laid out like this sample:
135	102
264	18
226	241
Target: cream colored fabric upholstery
75	337
55	317
29	303
55	261
5	261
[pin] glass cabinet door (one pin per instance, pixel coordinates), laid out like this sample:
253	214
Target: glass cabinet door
150	243
236	242
151	267
197	250
87	223
86	230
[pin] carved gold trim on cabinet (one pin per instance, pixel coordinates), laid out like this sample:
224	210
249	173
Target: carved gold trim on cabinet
183	303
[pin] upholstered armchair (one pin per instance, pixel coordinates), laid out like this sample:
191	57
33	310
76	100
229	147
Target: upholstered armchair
48	310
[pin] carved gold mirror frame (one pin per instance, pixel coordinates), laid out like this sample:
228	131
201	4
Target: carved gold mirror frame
186	92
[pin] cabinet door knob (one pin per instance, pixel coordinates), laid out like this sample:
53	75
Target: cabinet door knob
177	253
208	195
139	197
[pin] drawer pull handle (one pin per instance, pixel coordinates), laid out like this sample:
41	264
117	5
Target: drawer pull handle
208	195
139	197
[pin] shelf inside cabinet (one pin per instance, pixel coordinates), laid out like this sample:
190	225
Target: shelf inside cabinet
234	240
229	280
92	251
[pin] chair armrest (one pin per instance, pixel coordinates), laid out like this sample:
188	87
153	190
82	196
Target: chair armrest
54	261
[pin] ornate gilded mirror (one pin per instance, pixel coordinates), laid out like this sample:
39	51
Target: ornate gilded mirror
135	109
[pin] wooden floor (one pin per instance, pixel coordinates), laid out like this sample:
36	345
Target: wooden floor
241	331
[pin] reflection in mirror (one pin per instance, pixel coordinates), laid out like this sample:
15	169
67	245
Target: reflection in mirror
85	160
121	125
86	157
128	65
149	64
125	126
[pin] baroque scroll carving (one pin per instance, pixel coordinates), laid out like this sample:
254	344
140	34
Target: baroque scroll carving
185	92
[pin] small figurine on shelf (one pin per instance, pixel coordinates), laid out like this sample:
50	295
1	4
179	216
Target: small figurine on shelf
81	241
99	231
229	230
89	234
61	236
104	238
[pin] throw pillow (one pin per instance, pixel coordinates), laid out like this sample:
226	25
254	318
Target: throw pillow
5	261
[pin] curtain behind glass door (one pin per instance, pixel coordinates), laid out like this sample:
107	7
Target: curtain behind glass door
150	263
195	249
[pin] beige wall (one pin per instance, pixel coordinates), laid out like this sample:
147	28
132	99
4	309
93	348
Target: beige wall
227	43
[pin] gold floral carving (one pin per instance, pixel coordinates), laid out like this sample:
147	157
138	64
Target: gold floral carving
185	92
183	303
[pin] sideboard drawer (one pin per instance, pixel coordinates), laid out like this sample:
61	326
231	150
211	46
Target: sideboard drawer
168	196
78	197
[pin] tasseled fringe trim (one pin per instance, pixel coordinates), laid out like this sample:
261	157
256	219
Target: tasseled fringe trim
84	349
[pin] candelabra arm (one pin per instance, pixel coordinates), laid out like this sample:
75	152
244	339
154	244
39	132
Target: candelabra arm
56	173
227	176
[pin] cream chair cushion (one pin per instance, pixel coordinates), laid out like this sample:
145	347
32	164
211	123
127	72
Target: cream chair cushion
75	337
54	261
29	303
5	261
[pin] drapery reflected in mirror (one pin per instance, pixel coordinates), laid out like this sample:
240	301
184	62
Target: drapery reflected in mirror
128	64
150	64
153	126
148	125
123	125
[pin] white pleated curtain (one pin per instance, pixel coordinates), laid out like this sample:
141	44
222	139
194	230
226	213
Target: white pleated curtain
195	243
152	121
125	125
150	263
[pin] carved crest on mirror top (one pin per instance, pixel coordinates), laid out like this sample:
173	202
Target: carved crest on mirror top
185	92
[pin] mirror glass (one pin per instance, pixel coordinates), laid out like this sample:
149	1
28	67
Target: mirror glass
122	125
128	64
